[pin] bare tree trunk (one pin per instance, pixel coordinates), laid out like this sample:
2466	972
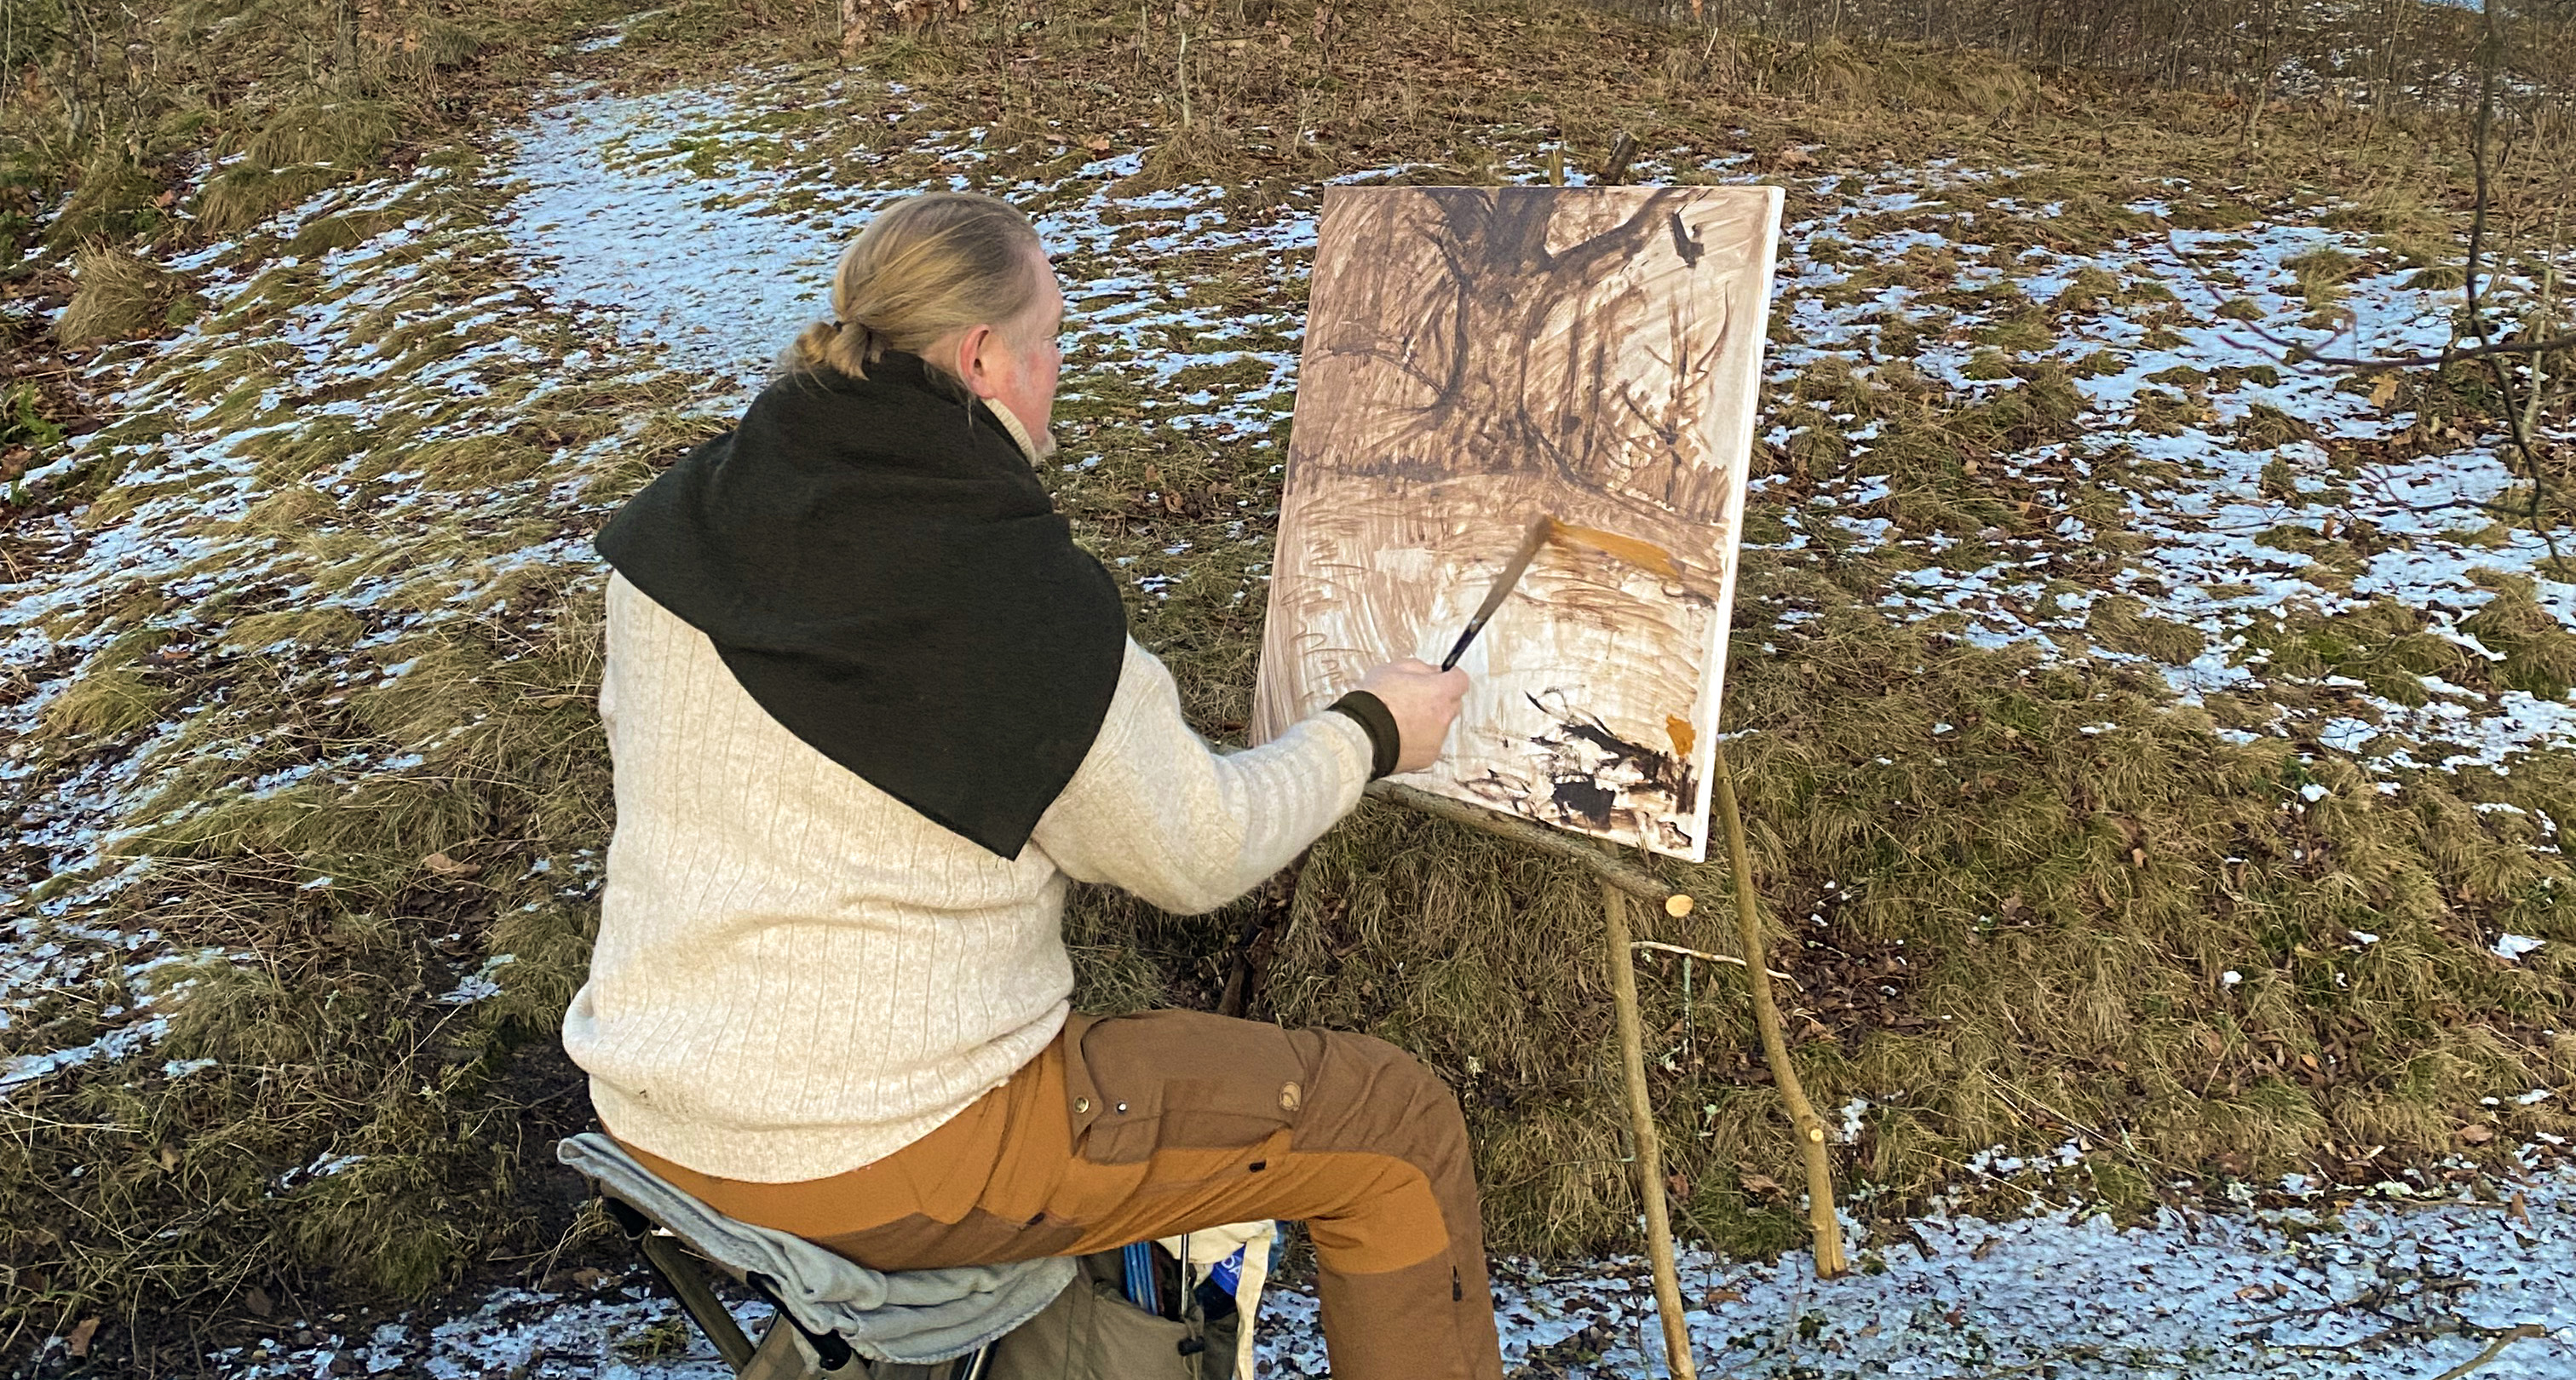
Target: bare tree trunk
344	43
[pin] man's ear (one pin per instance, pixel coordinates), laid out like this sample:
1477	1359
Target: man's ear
970	358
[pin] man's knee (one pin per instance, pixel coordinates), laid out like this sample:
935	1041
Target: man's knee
1394	1103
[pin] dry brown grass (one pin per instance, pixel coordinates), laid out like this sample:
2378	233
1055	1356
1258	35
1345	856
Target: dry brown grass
117	294
2012	932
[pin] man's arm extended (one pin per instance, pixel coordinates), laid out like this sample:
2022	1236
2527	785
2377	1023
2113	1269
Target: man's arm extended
1155	811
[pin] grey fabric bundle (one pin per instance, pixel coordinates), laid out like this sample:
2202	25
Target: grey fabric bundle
910	1317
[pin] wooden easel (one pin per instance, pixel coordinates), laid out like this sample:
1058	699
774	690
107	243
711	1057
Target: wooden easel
1620	881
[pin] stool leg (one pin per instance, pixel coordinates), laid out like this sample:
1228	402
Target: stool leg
679	1274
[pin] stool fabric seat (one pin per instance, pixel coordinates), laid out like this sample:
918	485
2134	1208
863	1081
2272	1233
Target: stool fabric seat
909	1317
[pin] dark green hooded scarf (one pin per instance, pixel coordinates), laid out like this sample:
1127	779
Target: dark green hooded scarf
883	573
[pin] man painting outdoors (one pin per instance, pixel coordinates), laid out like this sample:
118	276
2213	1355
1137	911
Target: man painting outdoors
870	709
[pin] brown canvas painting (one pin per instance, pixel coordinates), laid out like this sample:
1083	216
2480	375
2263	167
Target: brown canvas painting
1477	357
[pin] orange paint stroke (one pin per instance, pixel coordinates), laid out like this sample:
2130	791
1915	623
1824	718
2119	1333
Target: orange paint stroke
1635	551
1683	735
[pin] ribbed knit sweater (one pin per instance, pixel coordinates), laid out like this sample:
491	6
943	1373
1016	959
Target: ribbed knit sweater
797	974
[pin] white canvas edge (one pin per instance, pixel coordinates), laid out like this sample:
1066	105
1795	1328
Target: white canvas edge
1722	618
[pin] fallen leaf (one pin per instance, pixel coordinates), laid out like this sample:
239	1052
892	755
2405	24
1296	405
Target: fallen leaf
446	866
2137	857
2476	1135
1677	1185
1761	1183
258	1302
1098	143
1985	1248
78	1343
2521	1207
170	1157
2385	391
1714	1297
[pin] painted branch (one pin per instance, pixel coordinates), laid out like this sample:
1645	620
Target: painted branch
1660	947
1641	1117
1627	876
1775	1047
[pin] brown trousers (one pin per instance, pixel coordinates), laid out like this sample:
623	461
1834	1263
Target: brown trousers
1134	1127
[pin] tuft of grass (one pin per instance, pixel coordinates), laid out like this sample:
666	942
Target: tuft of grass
2539	653
2122	624
345	135
112	203
248	193
105	704
2266	427
116	293
2320	273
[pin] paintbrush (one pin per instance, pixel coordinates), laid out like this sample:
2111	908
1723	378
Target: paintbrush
1542	530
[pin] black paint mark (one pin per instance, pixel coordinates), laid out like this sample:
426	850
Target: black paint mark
1586	800
1685	243
1594	774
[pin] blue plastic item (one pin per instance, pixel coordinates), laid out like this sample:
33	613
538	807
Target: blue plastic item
1139	1260
1226	1274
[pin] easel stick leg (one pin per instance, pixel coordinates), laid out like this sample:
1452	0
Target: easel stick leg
1766	1015
1650	1153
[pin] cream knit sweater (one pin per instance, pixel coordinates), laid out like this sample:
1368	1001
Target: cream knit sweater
796	974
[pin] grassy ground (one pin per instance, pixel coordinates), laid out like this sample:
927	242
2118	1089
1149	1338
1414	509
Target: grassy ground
303	642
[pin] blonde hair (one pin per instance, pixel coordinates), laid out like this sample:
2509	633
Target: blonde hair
924	267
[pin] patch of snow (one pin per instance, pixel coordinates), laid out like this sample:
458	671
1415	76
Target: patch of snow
2511	947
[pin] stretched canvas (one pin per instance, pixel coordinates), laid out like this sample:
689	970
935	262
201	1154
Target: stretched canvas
1477	357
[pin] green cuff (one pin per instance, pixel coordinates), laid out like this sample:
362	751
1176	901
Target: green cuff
1386	743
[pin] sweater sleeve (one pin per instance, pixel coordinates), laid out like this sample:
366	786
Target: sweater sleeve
1155	811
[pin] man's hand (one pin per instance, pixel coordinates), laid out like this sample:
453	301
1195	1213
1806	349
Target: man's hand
1424	702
